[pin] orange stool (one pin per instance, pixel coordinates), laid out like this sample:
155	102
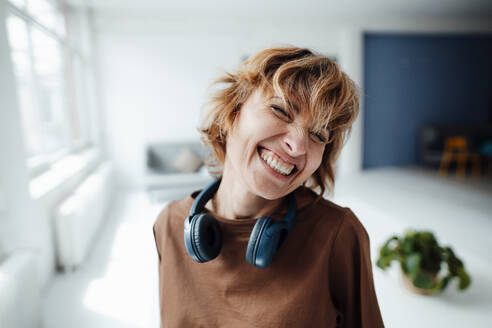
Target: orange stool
456	148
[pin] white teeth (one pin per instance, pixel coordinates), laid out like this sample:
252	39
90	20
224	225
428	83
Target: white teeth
276	163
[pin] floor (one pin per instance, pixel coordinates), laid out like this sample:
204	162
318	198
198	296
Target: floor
118	285
103	292
390	200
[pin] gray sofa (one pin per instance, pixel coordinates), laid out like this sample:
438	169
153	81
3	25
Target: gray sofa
164	180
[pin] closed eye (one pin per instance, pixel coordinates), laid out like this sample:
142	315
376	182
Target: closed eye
281	111
319	137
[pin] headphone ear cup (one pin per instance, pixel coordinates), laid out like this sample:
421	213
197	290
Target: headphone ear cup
261	246
252	247
205	238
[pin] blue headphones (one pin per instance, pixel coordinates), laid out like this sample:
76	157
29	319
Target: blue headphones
203	236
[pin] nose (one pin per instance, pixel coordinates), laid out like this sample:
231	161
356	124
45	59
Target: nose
296	141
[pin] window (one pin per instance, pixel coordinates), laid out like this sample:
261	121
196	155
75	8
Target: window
49	72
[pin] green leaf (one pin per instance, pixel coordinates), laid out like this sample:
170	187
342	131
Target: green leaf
423	280
427	239
386	249
385	261
382	263
412	264
443	283
465	279
407	245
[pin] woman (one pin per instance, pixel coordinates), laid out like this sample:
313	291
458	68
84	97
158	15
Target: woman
275	130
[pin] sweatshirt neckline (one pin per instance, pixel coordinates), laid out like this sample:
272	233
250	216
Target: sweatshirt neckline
303	197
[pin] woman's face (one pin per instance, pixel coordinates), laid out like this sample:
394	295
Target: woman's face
271	150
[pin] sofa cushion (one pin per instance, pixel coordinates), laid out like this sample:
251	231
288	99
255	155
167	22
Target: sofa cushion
187	161
161	155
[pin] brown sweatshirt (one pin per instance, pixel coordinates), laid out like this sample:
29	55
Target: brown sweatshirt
320	277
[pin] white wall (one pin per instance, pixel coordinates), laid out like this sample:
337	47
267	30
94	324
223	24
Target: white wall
155	71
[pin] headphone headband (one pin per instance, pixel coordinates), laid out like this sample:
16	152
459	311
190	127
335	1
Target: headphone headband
203	197
203	236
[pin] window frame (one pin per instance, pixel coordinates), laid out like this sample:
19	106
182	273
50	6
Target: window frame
38	164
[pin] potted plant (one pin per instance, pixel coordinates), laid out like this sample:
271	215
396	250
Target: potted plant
421	258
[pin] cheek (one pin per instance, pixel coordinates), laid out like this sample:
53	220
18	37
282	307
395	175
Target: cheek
261	125
255	127
240	142
315	162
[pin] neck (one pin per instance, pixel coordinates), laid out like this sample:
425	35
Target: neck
234	201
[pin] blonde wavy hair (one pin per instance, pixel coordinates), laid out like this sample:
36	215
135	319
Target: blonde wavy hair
303	80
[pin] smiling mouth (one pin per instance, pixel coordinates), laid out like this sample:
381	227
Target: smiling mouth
276	163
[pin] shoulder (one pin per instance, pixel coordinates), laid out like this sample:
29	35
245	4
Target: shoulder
351	225
347	225
309	201
172	215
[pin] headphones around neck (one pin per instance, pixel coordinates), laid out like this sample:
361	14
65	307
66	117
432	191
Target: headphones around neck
203	236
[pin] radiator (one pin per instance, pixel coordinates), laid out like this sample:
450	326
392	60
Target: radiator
78	218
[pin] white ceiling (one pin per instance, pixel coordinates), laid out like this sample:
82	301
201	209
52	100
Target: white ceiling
279	9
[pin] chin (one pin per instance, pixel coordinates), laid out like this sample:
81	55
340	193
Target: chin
271	191
271	196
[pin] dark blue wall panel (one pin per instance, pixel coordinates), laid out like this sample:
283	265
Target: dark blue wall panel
410	80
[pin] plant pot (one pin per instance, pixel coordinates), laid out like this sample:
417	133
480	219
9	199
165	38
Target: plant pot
407	282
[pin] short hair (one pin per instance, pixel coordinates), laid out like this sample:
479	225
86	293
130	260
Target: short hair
300	78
